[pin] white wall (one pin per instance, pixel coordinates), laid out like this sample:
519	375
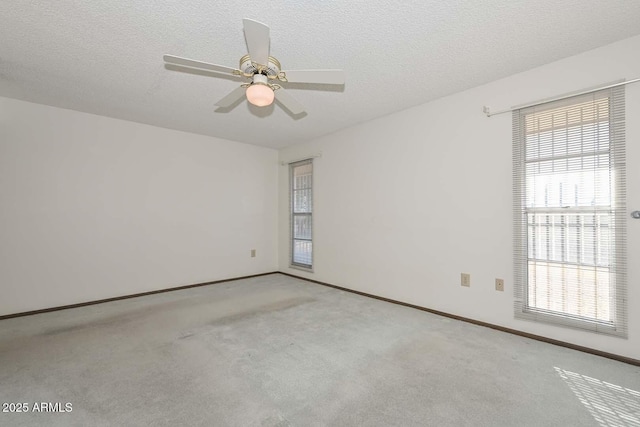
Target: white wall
93	207
405	203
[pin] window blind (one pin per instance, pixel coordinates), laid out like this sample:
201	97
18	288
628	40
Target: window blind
569	212
301	201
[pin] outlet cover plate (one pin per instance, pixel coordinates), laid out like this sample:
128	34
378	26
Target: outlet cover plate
465	279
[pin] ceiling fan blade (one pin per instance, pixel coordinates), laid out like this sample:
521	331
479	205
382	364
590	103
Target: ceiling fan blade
232	98
184	62
289	102
332	77
257	37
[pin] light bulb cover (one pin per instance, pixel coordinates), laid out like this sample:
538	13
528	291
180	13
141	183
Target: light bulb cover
260	94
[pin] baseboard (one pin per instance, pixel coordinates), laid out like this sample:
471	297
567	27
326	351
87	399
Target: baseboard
142	294
612	356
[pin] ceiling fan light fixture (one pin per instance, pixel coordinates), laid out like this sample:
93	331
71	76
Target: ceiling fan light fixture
260	93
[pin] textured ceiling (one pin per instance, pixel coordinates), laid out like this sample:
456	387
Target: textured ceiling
105	57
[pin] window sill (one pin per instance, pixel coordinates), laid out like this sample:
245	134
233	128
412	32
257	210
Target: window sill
298	267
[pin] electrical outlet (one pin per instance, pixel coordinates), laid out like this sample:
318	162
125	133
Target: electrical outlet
465	279
500	285
253	253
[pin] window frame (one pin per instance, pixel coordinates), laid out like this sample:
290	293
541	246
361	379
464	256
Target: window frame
617	269
293	214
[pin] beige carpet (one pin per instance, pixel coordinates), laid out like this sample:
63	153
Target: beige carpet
277	351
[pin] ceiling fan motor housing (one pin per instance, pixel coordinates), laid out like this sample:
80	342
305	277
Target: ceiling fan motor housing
272	68
260	79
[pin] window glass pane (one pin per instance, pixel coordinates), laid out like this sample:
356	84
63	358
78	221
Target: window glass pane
570	289
302	176
302	252
302	227
590	187
302	200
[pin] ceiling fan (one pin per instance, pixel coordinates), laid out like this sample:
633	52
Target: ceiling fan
263	71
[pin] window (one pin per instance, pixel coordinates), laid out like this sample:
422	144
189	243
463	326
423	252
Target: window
569	209
301	200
